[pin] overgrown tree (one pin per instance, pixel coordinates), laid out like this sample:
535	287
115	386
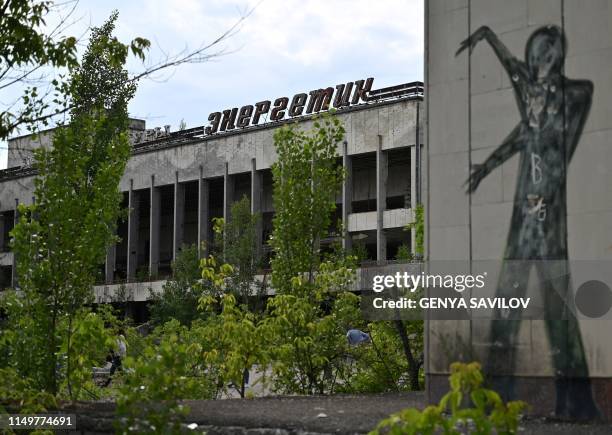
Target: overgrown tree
237	242
180	294
306	339
306	182
61	240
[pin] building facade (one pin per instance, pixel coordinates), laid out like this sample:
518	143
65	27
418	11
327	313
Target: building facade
518	149
175	183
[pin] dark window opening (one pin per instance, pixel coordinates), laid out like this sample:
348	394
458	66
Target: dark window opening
398	245
190	222
144	234
398	178
9	223
6	277
166	230
121	247
215	204
363	183
242	186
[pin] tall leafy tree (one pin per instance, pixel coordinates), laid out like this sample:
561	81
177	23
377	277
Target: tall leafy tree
307	340
238	243
180	294
306	182
60	241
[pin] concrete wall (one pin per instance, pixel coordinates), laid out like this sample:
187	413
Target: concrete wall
470	109
396	123
20	147
218	169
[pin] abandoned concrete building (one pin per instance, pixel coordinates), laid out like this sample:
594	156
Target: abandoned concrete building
175	183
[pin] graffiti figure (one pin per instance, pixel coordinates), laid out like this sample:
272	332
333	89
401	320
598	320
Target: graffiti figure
553	111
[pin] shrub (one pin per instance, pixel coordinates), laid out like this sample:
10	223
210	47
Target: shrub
308	343
466	408
379	366
18	394
156	382
179	296
403	253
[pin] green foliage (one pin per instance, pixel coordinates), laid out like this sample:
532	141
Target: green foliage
24	46
306	182
359	251
61	240
419	228
307	344
215	275
379	366
28	44
238	344
180	294
18	394
85	346
22	43
158	379
403	253
466	407
238	245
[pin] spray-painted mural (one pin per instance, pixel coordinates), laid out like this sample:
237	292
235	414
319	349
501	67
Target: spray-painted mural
553	110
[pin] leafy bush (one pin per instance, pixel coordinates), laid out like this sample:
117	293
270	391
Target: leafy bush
238	343
379	366
179	297
466	408
156	382
403	253
84	347
359	251
308	345
236	242
18	394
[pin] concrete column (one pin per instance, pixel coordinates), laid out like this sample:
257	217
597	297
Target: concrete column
179	215
347	196
256	194
381	199
413	190
417	159
132	244
203	214
14	268
2	241
228	193
154	222
111	255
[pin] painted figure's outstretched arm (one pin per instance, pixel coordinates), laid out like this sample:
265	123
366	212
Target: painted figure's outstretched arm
511	64
578	98
510	146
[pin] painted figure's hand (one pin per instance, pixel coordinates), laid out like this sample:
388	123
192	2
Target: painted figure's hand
479	172
474	39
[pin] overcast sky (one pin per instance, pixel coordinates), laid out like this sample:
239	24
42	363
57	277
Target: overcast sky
283	47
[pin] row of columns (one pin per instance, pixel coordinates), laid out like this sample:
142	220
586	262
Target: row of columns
382	172
228	191
203	216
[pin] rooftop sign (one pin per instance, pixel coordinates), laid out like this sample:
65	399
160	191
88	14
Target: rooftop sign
301	104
